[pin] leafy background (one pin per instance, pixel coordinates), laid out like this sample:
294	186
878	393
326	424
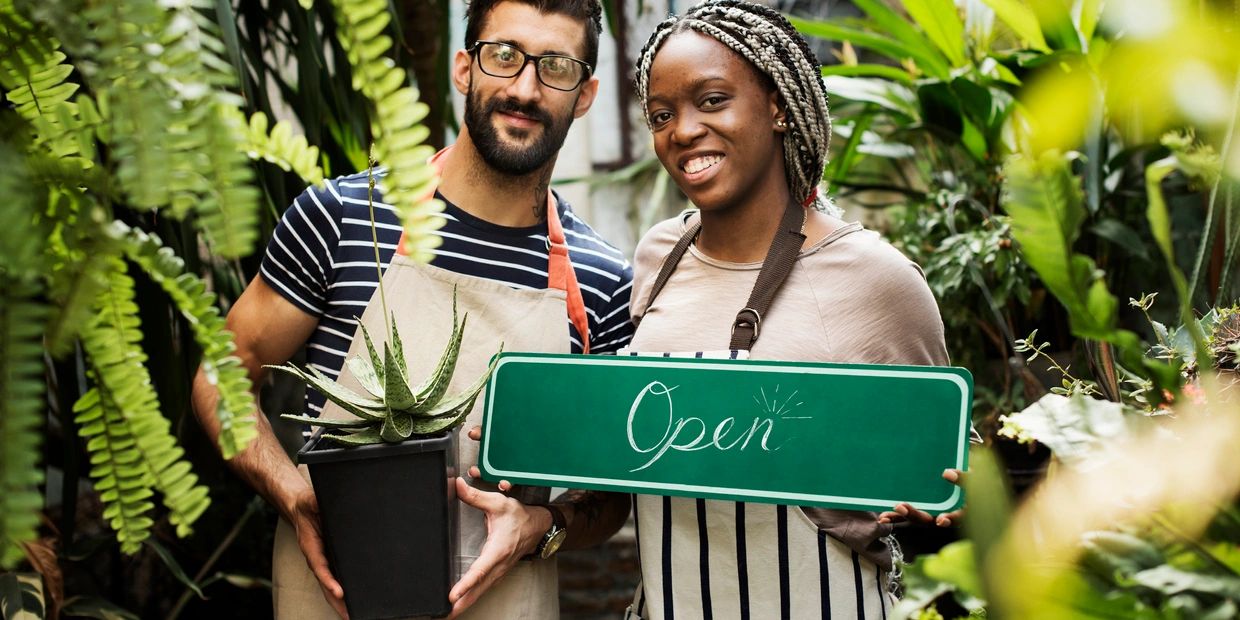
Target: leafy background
1063	170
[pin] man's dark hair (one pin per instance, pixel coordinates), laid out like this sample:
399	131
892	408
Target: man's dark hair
588	11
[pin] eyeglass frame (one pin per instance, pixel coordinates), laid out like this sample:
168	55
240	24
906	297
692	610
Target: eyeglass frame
534	58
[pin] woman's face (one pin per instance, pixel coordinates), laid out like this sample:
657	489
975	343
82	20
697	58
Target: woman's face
713	119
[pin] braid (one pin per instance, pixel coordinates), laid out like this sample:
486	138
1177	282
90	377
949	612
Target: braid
763	37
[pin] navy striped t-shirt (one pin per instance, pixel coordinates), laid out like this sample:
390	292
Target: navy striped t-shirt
322	259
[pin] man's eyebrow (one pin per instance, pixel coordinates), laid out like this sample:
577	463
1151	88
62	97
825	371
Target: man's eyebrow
695	85
545	52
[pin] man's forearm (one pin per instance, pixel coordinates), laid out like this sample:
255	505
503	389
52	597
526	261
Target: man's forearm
263	464
593	516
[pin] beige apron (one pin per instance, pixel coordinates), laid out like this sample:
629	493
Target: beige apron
420	297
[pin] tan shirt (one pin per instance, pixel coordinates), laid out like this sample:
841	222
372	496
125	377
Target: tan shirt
851	298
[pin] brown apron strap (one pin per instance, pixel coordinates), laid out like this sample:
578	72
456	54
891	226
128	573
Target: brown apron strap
670	262
775	269
778	263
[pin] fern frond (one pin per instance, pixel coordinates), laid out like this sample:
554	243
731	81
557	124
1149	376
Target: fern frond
235	406
123	481
113	342
124	55
21	415
34	76
228	208
281	146
396	127
77	272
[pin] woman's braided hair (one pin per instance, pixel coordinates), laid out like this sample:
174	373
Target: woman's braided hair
766	39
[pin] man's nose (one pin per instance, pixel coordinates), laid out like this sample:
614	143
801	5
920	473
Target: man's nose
525	85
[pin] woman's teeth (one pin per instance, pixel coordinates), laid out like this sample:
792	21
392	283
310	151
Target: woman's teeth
699	164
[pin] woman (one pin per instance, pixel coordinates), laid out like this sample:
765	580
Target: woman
739	117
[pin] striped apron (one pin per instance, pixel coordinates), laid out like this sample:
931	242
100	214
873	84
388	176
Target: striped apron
724	560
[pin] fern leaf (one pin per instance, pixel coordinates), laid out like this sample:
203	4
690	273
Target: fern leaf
113	342
281	146
399	137
34	74
235	406
124	485
77	267
21	415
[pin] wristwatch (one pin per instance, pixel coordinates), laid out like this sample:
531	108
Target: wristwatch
555	535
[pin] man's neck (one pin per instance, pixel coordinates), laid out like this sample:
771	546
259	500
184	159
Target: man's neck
478	189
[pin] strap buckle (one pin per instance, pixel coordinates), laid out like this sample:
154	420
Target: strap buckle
748	316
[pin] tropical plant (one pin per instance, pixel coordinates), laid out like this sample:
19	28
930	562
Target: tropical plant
394	409
933	96
121	119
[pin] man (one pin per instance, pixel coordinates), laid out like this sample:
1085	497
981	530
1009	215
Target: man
526	74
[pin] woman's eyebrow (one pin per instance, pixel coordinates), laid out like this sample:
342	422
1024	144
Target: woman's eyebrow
694	86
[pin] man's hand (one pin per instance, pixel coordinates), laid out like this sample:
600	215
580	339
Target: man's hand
513	531
906	512
304	518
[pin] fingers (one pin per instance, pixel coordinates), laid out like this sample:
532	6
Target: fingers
311	543
492	564
954	476
475	433
948	519
504	485
482	500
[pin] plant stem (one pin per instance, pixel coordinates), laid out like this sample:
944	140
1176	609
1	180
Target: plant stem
374	234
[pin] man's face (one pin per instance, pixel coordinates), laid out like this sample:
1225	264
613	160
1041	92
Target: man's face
518	124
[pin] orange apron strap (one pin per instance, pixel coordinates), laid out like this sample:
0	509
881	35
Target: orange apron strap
560	274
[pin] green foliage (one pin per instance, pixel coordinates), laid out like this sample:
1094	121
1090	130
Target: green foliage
281	146
395	126
1046	205
394	410
235	405
131	446
21	420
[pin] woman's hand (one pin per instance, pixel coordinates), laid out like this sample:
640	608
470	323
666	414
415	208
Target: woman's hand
905	512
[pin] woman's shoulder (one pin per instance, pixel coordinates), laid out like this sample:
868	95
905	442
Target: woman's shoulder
658	241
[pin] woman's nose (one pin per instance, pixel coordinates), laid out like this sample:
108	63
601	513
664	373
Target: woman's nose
687	130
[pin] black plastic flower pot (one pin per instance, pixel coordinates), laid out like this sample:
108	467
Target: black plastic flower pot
388	513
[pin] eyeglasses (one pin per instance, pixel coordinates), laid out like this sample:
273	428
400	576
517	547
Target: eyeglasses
504	61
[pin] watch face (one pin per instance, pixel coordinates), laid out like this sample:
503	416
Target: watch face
553	543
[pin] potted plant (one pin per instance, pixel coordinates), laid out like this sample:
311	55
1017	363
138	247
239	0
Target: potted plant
389	541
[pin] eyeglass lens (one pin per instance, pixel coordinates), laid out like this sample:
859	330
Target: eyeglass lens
559	72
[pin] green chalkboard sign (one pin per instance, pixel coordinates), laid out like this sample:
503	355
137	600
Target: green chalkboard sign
853	436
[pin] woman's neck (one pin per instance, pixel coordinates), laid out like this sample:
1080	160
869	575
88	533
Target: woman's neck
743	234
505	200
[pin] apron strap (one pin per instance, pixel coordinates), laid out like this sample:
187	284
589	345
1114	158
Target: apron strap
560	273
780	258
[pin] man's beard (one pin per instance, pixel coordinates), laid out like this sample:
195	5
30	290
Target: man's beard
510	160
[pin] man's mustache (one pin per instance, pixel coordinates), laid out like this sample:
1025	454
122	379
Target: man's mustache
527	110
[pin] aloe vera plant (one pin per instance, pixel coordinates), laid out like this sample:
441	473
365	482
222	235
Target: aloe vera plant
393	409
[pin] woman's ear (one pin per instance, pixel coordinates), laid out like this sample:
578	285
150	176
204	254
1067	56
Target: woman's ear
779	113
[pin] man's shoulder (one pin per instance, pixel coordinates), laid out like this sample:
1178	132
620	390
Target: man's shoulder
351	196
592	248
